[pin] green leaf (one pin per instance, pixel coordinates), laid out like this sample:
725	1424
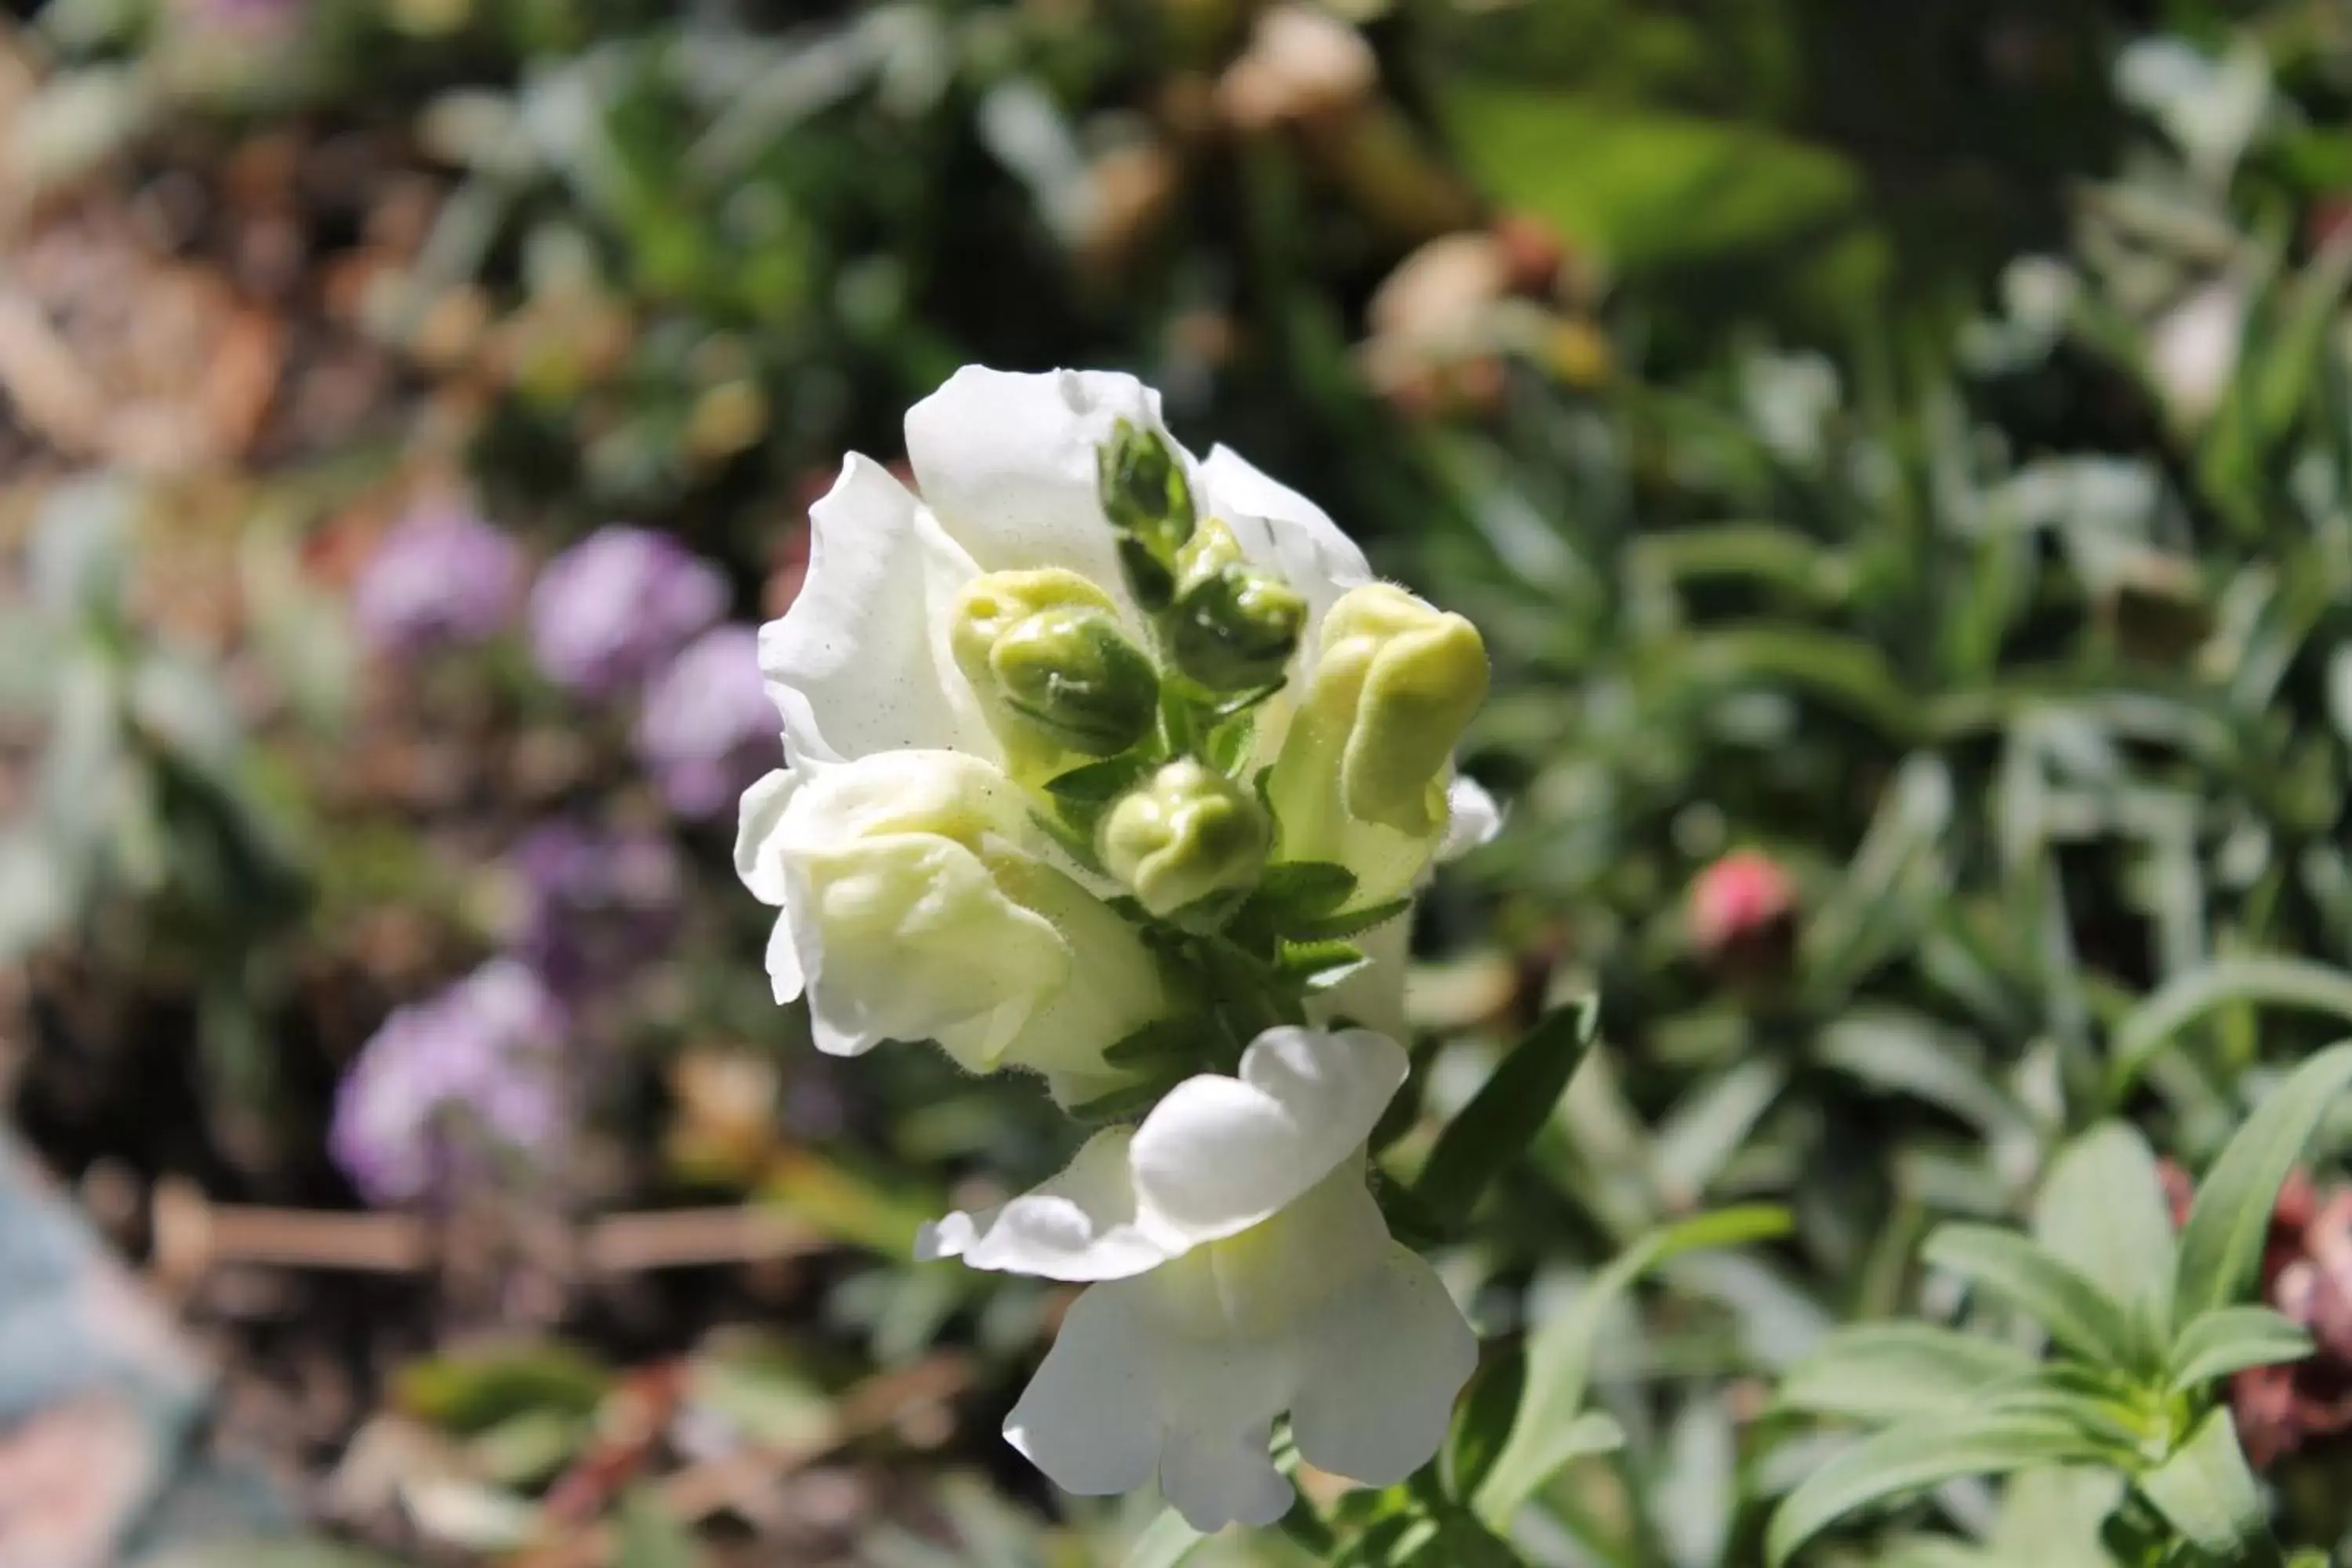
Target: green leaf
1482	1420
1164	1544
1507	1111
1354	922
1100	783
2269	982
2231	1339
1922	1454
2102	1209
650	1536
1882	1373
2206	1492
1161	1040
1643	189
1319	965
2103	1406
1301	889
2077	1313
2221	1245
1549	1430
472	1393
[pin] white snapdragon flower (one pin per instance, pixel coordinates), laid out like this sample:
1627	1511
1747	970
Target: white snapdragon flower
993	621
919	904
1238	1268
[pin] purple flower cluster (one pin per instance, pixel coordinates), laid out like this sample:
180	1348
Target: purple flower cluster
626	616
610	611
441	576
451	1084
706	729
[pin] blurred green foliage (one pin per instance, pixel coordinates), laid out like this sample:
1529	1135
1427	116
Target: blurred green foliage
1910	446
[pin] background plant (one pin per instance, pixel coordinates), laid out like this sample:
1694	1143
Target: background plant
1899	463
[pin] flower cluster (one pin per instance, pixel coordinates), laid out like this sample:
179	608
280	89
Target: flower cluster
451	1085
626	616
1120	767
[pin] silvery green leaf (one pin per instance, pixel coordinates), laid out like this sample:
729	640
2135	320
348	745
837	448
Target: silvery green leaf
78	550
2103	1210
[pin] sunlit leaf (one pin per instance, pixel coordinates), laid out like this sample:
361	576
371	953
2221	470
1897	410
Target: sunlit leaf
1547	1434
1919	1455
2231	1339
1888	1372
2076	1313
2221	1245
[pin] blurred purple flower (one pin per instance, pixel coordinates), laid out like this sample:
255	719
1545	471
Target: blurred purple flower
440	575
610	611
593	905
449	1082
708	728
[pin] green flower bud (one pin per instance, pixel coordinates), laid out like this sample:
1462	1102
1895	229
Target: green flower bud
1232	627
1187	834
1056	671
1143	489
1362	771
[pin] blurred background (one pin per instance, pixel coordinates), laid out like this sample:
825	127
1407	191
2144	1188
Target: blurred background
1900	455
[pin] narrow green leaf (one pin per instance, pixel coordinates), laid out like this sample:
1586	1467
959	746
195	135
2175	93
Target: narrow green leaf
2206	1492
1916	1454
1166	1542
1884	1372
2078	1397
1301	889
1319	965
2102	1209
1507	1111
2231	1339
2221	1245
2077	1313
1548	1432
2269	982
1156	1041
1100	783
1709	1125
1354	922
1482	1420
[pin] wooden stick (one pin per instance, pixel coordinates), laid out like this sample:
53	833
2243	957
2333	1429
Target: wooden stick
192	1235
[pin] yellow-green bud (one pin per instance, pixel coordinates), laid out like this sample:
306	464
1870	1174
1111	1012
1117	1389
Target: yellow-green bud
1054	669
1232	627
1362	773
1187	834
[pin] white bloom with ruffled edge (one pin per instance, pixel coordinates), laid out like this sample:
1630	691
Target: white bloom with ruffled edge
1239	1269
919	904
1006	463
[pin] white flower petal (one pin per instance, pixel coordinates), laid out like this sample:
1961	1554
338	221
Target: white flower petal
854	665
1373	996
1218	1154
1384	1363
1090	1419
1216	1477
758	857
1320	561
1082	1225
1007	463
1472	818
785	973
